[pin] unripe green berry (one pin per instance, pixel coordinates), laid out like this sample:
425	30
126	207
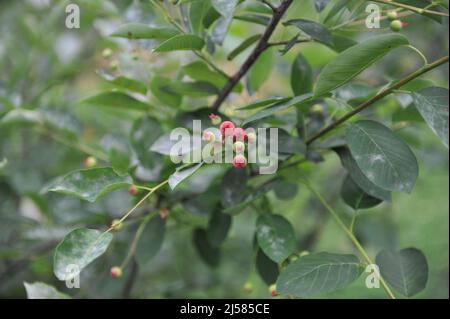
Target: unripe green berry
239	147
293	258
304	253
90	162
248	287
396	25
392	15
317	108
107	53
251	137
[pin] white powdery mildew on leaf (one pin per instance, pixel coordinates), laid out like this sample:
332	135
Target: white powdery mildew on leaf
275	236
79	248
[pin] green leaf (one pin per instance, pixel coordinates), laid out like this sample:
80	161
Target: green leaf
251	196
432	104
197	12
253	18
89	184
39	290
143	134
119	160
359	178
182	173
355	60
182	42
355	197
282	105
260	71
275	236
267	269
210	254
77	250
264	102
301	76
142	31
3	164
218	228
225	7
317	274
244	45
233	187
124	83
117	100
286	190
383	157
405	270
201	72
288	144
320	5
151	240
157	85
195	89
316	31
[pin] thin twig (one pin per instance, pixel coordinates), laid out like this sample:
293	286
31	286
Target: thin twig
411	8
378	97
349	233
259	49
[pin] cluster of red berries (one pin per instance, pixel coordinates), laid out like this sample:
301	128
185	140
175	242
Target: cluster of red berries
229	132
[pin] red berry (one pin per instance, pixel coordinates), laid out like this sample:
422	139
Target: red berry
215	119
227	128
116	272
273	290
163	213
239	134
240	161
209	136
133	190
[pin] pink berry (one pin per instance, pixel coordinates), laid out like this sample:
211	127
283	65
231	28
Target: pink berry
227	128
239	134
116	272
240	161
215	119
273	290
133	190
209	136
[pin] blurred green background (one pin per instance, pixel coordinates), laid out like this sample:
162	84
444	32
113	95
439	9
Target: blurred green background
45	66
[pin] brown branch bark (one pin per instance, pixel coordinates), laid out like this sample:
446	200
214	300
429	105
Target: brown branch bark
262	45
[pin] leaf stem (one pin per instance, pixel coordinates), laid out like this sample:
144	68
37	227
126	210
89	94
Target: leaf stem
349	233
424	58
136	239
411	8
143	199
378	97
